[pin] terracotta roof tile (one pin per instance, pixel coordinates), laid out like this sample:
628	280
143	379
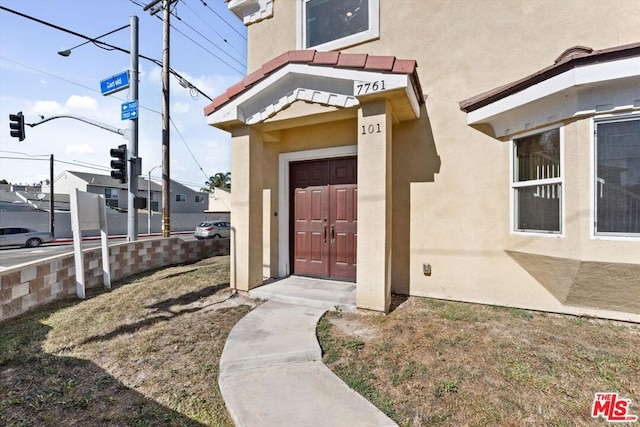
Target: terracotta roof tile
326	58
275	63
380	63
235	89
216	103
253	77
362	61
352	60
301	55
404	66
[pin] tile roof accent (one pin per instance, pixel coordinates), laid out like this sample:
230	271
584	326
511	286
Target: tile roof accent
571	58
356	61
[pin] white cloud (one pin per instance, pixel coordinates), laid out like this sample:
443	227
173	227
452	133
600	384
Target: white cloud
154	75
47	108
180	108
76	102
43	82
79	149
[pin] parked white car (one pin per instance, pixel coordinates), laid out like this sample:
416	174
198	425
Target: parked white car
213	230
18	236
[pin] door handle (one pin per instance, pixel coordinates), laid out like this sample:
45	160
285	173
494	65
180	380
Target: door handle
324	233
333	233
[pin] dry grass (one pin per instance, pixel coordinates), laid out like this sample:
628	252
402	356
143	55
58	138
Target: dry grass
144	354
147	352
432	362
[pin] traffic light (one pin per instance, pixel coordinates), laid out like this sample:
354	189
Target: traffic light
17	125
119	166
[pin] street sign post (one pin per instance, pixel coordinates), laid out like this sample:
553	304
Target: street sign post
129	110
115	83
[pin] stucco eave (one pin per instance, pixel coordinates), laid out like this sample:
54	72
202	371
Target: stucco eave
319	85
600	88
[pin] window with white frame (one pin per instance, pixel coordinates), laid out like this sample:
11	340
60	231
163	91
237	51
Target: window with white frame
617	186
199	198
335	24
111	197
181	197
537	183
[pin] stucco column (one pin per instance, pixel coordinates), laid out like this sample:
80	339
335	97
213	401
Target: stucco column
246	208
373	274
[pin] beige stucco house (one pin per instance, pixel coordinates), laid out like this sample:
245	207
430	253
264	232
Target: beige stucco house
482	151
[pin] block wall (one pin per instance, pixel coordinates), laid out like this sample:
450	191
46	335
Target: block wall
31	285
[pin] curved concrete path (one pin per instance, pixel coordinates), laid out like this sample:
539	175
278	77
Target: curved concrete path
271	374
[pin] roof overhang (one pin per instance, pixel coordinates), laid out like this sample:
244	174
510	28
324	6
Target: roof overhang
342	88
583	90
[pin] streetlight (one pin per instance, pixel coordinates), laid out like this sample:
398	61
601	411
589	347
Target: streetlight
134	162
149	200
67	52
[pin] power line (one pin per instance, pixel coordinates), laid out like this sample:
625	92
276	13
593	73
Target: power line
208	51
223	20
73	83
241	72
212	43
99	44
186	145
214	30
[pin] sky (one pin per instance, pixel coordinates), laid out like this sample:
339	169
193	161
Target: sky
207	48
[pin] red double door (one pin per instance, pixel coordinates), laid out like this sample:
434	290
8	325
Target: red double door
324	196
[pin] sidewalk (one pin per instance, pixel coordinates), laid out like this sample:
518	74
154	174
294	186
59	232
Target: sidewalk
271	370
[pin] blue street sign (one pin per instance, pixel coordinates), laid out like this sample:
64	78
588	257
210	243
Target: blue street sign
115	83
130	110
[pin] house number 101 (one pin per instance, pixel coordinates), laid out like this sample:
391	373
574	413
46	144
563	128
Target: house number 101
366	130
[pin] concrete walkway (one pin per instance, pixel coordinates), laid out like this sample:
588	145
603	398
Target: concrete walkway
271	370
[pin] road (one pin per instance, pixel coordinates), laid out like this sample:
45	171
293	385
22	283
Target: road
13	255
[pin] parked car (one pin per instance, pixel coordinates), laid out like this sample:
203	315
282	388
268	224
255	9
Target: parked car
213	230
18	236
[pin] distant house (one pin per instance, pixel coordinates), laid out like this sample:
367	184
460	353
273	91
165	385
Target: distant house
183	199
219	201
30	199
10	202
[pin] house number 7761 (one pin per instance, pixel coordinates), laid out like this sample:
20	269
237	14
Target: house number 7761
375	128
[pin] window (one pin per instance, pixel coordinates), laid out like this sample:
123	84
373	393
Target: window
617	186
537	183
335	24
155	201
181	198
199	198
111	197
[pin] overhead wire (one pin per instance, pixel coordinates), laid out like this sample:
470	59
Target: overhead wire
241	72
188	149
224	39
223	20
74	83
97	42
107	46
212	43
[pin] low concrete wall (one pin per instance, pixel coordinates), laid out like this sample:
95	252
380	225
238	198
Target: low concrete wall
30	285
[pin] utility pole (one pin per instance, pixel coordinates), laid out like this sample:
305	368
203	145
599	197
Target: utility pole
166	69
134	162
166	180
51	193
